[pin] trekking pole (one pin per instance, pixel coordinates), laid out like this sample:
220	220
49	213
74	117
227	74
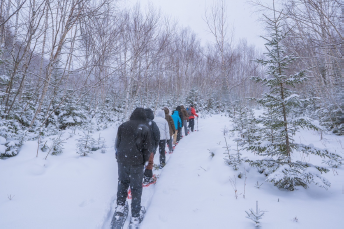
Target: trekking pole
197	124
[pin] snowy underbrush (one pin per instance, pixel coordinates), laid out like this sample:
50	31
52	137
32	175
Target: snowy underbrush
276	154
13	134
316	163
50	185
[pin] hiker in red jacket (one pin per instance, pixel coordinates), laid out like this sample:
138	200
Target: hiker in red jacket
192	118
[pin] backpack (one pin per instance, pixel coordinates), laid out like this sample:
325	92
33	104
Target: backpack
188	112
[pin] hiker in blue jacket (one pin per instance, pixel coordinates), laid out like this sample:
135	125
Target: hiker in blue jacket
177	123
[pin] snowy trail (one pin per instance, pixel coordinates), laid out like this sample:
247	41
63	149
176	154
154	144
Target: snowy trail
189	194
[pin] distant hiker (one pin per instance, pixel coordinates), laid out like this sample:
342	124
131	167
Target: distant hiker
155	138
132	147
164	135
178	125
185	119
172	128
179	134
192	117
188	111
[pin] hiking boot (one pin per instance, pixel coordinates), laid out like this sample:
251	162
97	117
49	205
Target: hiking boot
148	180
162	165
119	210
135	221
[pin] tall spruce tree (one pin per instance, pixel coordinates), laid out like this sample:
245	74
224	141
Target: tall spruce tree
279	124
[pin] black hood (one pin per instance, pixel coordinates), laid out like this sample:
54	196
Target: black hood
138	114
178	108
149	113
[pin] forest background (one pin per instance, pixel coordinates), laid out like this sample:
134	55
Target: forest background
85	64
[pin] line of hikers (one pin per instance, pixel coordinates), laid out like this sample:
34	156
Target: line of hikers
136	143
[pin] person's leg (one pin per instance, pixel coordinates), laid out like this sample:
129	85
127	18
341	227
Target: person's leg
170	148
192	124
136	175
185	128
123	183
162	144
175	137
149	168
178	134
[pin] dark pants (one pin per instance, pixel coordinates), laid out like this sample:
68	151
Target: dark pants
185	127
192	124
169	142
130	175
162	145
179	134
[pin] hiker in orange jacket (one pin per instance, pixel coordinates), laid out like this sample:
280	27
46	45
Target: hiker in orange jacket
192	117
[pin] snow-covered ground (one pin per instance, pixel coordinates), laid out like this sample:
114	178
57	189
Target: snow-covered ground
194	190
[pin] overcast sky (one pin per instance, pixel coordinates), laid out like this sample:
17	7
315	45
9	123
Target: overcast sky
190	13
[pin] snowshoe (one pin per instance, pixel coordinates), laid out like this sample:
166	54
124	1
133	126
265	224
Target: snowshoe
120	216
162	165
147	181
136	221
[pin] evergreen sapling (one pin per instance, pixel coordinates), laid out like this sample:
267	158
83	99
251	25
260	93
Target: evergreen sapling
86	143
276	143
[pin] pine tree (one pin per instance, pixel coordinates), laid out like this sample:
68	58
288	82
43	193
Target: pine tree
255	216
235	160
245	124
71	113
276	141
86	143
192	97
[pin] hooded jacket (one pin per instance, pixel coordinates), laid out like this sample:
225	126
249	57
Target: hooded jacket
176	119
185	114
133	140
162	124
179	109
170	121
155	133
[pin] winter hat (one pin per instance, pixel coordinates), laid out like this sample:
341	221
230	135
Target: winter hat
149	113
138	114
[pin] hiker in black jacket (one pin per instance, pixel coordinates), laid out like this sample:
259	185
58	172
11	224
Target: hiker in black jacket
155	138
133	144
